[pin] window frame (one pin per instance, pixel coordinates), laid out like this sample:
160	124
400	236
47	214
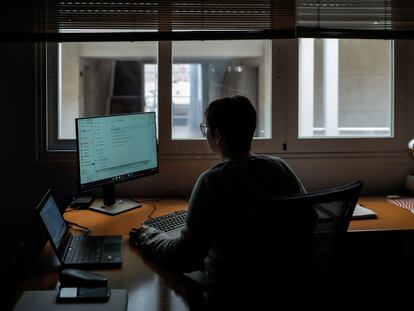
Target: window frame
52	69
284	110
345	145
167	145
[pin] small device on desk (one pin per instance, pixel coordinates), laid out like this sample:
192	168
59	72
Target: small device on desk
83	294
81	202
81	278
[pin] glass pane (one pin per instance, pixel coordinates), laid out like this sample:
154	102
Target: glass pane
101	78
208	70
345	88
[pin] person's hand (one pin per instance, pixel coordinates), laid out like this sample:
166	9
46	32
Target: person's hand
142	228
147	232
138	236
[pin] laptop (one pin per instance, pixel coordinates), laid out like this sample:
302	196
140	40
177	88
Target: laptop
73	250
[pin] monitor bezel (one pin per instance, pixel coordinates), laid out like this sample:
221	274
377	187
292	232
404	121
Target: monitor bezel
109	181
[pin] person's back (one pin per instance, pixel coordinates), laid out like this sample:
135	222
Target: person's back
232	232
254	243
237	194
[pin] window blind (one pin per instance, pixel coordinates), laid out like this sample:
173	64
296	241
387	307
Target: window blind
387	19
157	20
57	20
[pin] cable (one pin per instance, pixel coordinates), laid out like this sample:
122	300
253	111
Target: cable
154	207
153	202
72	209
73	224
166	195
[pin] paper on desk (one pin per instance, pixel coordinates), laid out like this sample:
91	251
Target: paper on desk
361	212
404	202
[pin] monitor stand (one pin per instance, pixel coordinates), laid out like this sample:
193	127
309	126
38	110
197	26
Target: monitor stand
110	204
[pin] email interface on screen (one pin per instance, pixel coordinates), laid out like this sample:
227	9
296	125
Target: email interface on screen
116	148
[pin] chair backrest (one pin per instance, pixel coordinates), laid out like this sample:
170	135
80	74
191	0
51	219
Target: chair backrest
290	240
333	210
288	231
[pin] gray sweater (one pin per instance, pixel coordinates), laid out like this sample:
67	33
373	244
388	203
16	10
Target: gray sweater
218	209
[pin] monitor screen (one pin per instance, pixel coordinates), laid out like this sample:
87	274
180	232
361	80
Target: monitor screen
115	148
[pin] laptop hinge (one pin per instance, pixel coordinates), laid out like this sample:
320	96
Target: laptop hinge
64	246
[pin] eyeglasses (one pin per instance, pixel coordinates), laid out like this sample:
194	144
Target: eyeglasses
203	128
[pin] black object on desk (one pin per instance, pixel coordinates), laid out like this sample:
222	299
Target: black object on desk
46	300
83	294
81	278
82	202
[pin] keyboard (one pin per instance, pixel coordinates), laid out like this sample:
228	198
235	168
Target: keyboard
84	249
168	222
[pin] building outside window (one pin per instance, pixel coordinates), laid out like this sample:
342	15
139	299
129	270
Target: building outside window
207	70
100	78
119	77
345	88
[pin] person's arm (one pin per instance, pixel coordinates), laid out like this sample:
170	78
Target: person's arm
290	171
187	252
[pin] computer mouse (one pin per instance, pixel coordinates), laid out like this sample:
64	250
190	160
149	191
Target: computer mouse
81	278
134	236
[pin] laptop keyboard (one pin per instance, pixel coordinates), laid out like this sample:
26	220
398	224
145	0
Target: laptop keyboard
168	222
84	249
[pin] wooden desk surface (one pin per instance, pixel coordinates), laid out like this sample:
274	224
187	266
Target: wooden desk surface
390	216
150	287
102	224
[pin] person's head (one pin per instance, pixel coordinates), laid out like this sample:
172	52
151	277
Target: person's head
231	124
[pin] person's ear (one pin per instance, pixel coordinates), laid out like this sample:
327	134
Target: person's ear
217	137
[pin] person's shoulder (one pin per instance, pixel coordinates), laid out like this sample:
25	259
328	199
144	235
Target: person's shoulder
268	158
209	178
270	162
212	172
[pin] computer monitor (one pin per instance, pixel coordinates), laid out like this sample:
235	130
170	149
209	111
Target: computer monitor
114	149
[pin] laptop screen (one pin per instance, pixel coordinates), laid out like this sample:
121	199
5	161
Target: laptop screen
54	222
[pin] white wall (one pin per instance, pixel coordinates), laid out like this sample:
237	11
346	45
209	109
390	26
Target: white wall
383	174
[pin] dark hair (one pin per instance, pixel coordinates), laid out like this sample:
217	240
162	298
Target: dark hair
235	118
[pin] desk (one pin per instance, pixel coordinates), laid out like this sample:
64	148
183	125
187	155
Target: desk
151	287
390	216
102	224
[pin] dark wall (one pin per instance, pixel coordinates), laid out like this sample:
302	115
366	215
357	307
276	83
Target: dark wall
22	184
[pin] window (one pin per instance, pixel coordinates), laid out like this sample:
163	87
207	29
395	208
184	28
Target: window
344	95
91	78
99	79
206	70
311	95
345	88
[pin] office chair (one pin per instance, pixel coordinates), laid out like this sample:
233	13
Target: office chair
290	240
333	210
